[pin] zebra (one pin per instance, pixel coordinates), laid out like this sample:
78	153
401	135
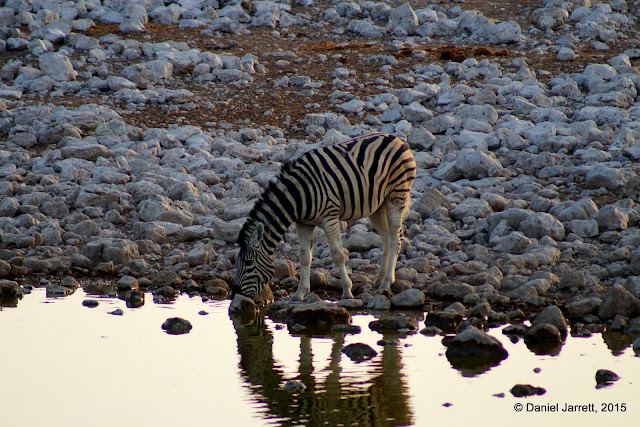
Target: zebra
368	176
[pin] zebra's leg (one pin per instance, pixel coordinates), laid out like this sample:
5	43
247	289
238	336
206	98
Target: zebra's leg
331	229
396	210
305	235
379	222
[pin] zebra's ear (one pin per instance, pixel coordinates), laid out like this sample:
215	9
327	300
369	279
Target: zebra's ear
256	236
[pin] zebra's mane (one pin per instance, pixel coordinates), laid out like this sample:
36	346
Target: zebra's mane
244	235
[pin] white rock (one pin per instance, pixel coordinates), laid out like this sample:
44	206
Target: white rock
475	208
540	224
159	69
474	164
365	28
504	32
403	18
57	66
546	18
566	54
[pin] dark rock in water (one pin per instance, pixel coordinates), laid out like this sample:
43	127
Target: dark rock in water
618	300
518	330
543	332
448	321
99	287
472	343
294	386
605	377
317	314
524	390
202	313
166	292
470	321
90	303
242	304
553	316
347	329
399	322
359	352
117	312
58	291
431	331
176	326
636	346
216	292
9	289
134	298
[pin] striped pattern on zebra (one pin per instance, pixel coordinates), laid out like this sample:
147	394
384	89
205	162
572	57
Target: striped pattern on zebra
369	176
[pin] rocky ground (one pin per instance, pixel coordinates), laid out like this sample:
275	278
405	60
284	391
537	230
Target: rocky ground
135	136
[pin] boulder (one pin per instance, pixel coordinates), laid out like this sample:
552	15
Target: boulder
618	300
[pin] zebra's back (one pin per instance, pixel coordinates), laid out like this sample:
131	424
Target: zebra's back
354	177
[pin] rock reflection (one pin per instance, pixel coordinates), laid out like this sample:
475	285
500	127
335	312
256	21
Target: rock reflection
378	400
617	341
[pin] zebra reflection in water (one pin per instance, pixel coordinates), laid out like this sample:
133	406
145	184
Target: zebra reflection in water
381	400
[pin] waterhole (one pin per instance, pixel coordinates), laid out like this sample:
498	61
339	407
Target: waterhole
65	364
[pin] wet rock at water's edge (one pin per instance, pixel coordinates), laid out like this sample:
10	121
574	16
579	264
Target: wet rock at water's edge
475	349
359	352
448	321
399	323
176	326
553	316
134	298
317	314
524	390
242	304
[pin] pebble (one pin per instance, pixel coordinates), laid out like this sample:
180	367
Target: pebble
525	390
605	377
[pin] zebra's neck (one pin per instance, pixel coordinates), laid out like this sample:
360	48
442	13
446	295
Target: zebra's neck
276	210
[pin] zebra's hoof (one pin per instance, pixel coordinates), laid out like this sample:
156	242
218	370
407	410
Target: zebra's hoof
348	296
297	296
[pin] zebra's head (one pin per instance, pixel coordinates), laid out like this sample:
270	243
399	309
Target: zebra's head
254	265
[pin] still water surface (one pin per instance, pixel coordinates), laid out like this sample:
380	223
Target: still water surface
64	364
